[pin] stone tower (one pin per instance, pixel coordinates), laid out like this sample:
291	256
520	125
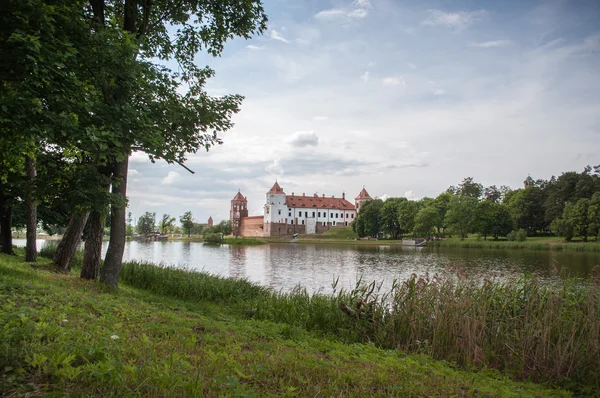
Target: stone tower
362	198
528	182
239	210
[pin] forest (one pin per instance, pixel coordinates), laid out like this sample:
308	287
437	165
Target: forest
567	206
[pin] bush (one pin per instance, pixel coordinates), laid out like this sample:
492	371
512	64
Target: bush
512	236
521	235
213	238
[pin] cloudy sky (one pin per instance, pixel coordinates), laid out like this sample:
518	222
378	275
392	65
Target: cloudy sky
403	97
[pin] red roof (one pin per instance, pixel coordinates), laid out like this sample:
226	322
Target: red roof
239	196
363	195
317	202
276	189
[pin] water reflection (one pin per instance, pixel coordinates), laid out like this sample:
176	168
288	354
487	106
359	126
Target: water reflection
283	266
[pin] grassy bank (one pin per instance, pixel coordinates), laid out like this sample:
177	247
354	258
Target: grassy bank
543	333
534	243
61	336
244	241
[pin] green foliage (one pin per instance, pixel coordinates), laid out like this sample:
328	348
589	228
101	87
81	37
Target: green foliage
57	339
146	224
224	227
166	224
521	235
213	237
470	188
390	217
460	215
187	222
426	221
368	220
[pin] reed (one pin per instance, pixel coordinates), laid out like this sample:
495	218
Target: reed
49	248
581	247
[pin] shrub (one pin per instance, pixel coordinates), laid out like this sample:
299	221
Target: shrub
521	235
512	236
213	238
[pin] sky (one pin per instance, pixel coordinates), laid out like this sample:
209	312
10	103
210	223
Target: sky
404	98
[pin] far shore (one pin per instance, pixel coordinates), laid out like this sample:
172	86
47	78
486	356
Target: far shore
472	242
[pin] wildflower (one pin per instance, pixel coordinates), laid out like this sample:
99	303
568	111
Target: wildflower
114	337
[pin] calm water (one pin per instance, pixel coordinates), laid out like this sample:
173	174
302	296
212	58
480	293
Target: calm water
283	266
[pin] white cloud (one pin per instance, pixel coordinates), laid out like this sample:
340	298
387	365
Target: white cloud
304	138
171	178
384	197
393	81
253	47
437	91
330	14
365	76
411	65
492	44
320	118
358	13
410	195
275	168
275	35
457	20
133	172
362	3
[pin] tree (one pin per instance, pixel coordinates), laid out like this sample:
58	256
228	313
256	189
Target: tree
580	219
493	194
129	228
526	209
594	215
441	205
166	224
390	217
492	219
224	227
146	223
407	211
460	215
470	188
187	223
426	220
368	220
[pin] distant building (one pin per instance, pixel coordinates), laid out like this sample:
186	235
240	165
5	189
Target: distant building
210	221
528	182
289	214
362	198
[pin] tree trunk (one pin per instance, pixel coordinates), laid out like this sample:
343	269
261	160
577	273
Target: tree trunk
31	246
116	245
70	242
93	247
5	226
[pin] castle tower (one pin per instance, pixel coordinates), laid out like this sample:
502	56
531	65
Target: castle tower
362	198
275	205
239	210
210	221
528	182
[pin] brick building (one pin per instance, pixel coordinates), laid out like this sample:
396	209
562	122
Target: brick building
289	214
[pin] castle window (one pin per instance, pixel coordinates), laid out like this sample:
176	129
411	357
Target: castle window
279	211
290	214
292	222
346	223
351	215
336	215
324	223
347	215
306	214
313	214
334	223
319	214
302	222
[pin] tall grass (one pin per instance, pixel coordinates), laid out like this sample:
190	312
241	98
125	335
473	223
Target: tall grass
581	247
530	330
188	285
50	247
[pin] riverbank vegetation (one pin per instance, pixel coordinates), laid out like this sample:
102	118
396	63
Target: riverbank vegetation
60	335
568	206
547	333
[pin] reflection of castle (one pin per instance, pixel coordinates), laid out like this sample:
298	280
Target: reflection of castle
289	214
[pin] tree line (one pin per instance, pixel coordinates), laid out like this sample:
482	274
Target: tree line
147	224
83	85
568	206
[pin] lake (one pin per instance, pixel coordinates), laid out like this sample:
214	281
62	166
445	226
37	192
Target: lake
285	265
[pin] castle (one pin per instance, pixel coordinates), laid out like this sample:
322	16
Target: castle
290	214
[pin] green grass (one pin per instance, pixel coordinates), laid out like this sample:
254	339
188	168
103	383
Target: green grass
230	240
62	336
532	243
